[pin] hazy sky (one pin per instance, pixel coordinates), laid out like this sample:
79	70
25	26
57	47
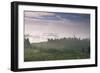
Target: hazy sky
39	26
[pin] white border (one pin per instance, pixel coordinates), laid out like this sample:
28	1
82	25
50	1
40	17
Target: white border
22	64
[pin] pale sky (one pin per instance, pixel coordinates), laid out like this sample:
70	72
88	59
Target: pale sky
39	26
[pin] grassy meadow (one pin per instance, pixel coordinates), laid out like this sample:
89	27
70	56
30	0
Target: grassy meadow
57	49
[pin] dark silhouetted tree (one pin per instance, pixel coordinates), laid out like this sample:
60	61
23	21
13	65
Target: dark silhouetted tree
27	43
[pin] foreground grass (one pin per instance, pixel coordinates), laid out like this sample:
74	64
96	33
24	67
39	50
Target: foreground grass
45	55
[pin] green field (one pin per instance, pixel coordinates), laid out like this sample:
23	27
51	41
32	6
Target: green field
57	49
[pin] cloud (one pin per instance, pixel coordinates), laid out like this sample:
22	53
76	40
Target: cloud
47	17
61	23
37	14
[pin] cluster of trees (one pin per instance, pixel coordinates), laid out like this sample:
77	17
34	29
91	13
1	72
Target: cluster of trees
67	39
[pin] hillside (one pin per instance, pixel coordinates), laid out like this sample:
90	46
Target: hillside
65	43
66	48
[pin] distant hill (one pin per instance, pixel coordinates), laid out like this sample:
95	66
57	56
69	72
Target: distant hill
64	43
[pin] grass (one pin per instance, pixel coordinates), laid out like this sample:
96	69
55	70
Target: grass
33	55
58	49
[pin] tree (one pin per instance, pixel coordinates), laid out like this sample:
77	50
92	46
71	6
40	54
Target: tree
27	43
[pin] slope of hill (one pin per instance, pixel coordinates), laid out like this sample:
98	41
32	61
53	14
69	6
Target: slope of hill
58	49
69	43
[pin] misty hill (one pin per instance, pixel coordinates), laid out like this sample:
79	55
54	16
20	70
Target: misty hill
64	43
